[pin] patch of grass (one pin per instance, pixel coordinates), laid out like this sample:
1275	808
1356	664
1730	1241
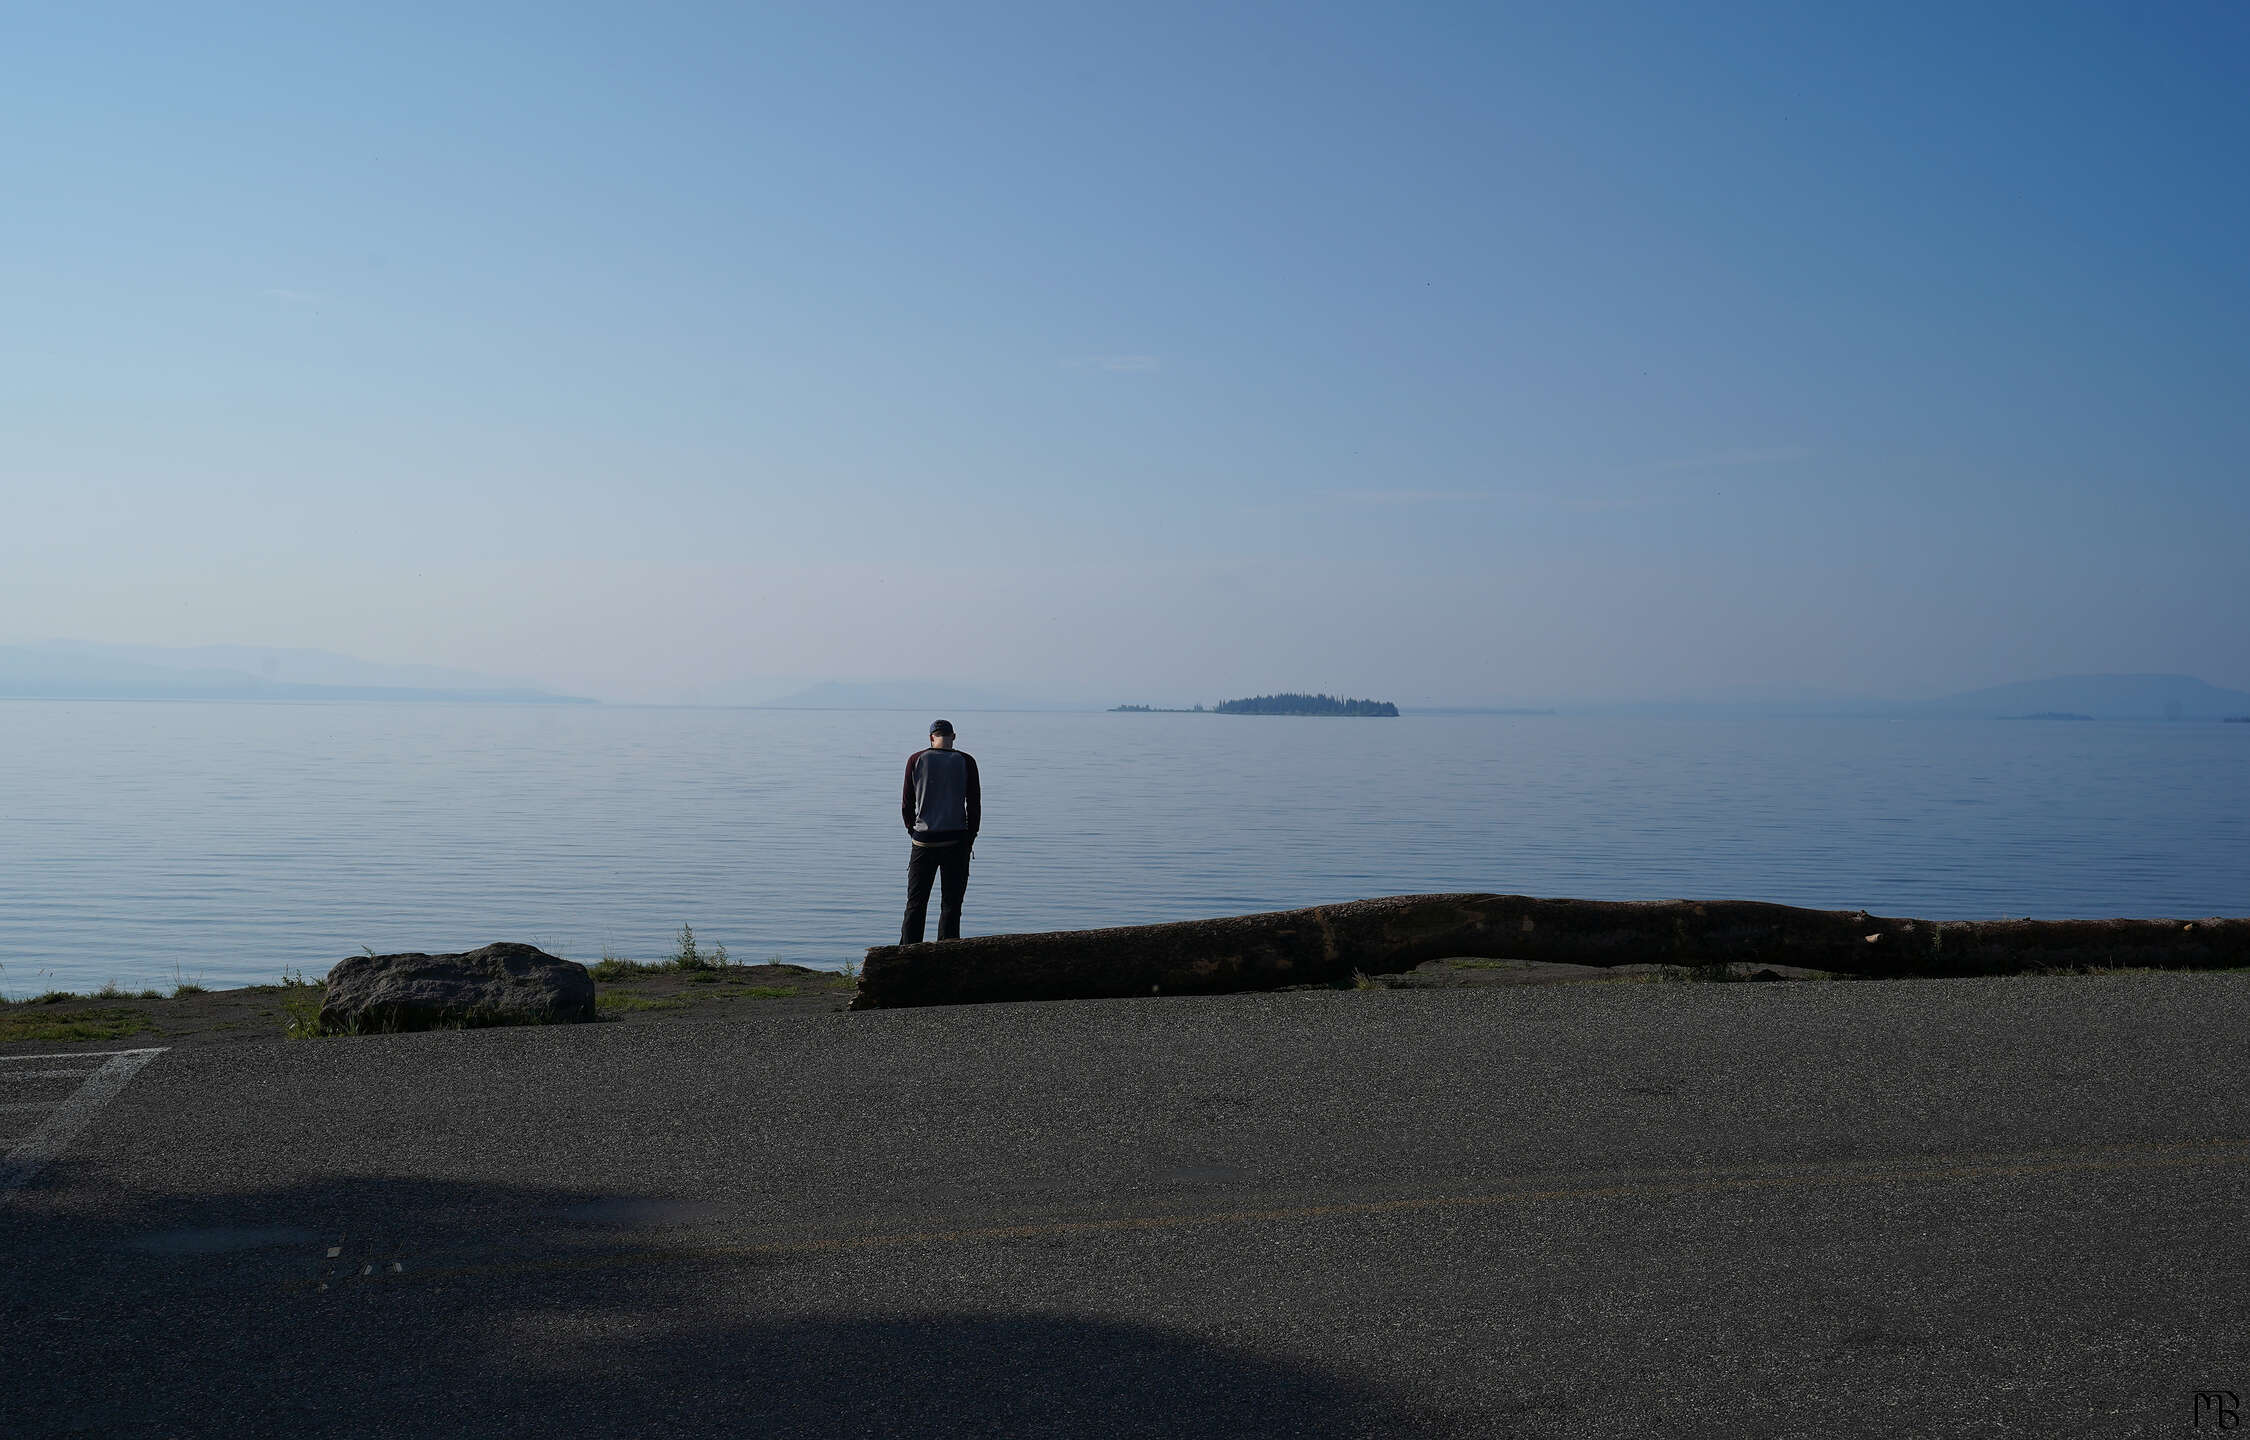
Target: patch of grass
769	992
1727	972
188	987
624	1004
52	997
151	995
1719	974
109	991
704	977
617	967
2052	970
1361	981
111	1024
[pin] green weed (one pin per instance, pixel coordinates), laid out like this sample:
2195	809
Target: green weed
300	1003
684	954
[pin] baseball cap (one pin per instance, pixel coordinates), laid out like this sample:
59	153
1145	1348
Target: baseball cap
941	727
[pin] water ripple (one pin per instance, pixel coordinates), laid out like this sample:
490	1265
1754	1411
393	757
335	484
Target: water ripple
224	842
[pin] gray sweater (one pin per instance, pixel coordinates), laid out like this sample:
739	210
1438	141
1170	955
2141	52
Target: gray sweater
943	803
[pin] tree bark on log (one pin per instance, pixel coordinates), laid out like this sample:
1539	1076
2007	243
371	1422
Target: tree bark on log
1326	944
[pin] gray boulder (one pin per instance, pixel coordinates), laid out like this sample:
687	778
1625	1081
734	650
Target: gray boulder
503	984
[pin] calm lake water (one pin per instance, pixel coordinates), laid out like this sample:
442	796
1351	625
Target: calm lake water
145	842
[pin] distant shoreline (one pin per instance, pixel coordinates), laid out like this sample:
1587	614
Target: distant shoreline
313	695
1288	703
1475	710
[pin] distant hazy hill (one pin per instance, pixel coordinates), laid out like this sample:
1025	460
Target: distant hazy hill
70	671
935	696
2105	697
302	667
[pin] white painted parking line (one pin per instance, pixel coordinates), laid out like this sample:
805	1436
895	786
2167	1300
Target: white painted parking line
33	1153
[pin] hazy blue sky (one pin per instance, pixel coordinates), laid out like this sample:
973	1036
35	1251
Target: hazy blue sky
1135	351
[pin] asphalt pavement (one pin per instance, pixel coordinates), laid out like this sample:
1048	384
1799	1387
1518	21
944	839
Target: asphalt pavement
1938	1208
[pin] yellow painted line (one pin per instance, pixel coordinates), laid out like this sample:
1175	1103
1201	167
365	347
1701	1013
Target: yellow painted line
2109	1158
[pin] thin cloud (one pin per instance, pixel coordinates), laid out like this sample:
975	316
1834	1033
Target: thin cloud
1403	497
1599	504
1116	364
1727	459
1318	500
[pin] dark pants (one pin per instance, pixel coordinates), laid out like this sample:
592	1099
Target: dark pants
925	864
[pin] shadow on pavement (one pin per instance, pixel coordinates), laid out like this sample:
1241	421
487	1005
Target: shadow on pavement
520	1312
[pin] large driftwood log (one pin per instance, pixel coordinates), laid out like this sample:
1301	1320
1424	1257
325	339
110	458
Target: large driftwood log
1324	945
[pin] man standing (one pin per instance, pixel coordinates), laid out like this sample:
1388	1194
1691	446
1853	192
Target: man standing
942	805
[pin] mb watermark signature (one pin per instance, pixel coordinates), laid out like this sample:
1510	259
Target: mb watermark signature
2218	1410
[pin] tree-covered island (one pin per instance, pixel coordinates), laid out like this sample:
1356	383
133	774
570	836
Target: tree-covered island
1289	704
1294	704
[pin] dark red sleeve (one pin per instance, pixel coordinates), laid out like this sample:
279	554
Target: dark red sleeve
906	797
976	797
